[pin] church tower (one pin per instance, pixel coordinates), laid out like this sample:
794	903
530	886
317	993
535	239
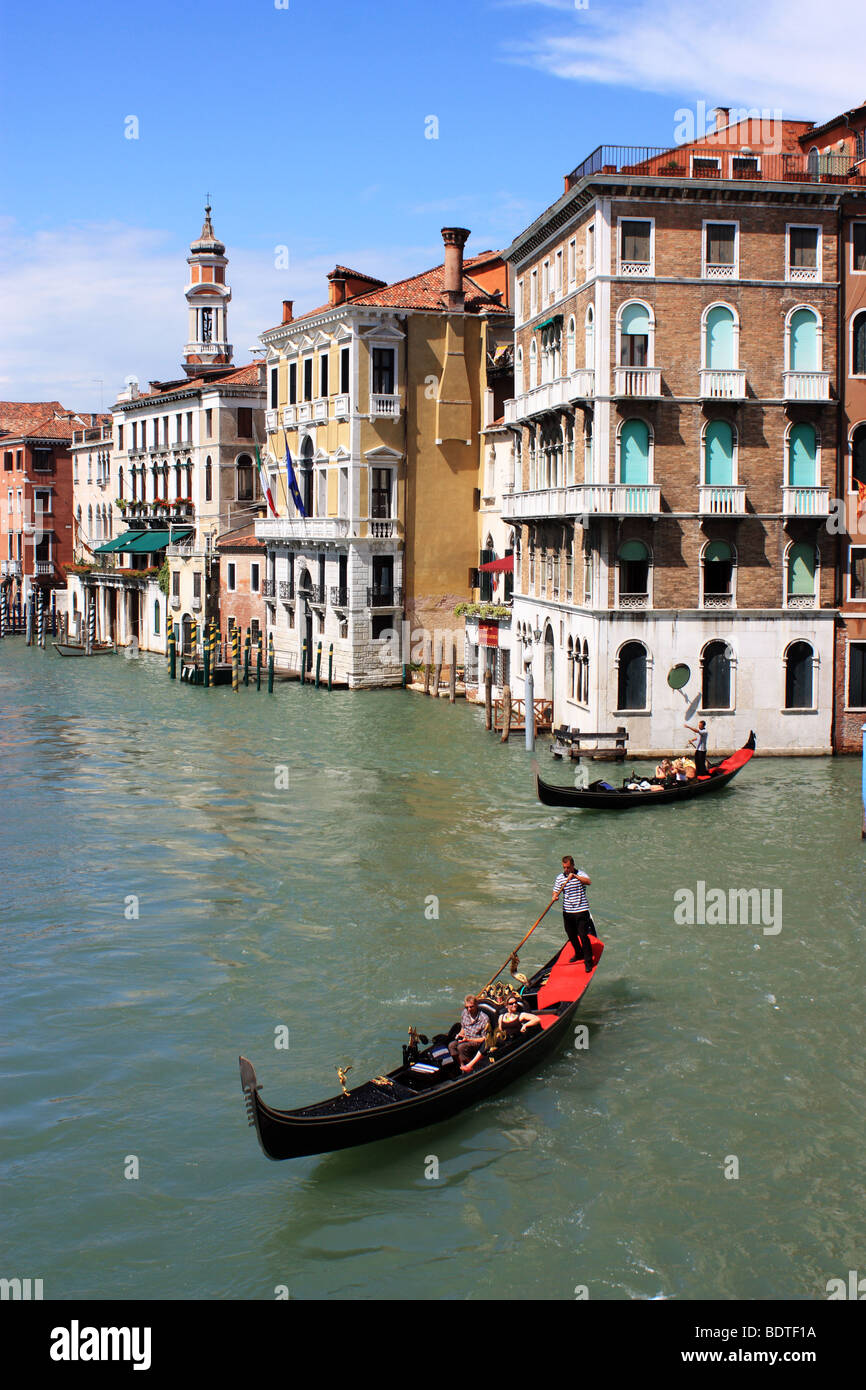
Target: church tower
208	350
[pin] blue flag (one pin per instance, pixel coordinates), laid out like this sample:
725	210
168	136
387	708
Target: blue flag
294	490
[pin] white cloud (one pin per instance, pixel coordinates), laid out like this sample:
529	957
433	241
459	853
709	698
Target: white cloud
102	301
781	53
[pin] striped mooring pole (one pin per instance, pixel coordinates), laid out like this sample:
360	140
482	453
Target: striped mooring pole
259	663
28	618
271	664
3	602
172	650
91	620
330	664
236	657
247	644
40	618
206	657
193	639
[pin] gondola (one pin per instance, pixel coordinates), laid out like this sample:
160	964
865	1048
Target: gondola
80	649
428	1087
596	798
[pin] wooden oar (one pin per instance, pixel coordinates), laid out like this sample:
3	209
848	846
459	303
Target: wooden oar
513	953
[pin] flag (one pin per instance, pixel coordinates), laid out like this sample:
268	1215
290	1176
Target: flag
294	490
861	497
265	484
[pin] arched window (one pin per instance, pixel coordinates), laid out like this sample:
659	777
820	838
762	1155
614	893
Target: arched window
244	469
631	678
120	481
719	447
208	480
584	662
858	345
589	339
634	336
187	468
634	452
533	364
634	564
802	566
804	353
720	338
718	570
799	672
716	676
518	373
156	617
90	523
587	449
573	673
858	456
802	456
571	346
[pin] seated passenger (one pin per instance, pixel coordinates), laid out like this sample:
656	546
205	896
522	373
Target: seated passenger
513	1022
664	770
680	772
469	1045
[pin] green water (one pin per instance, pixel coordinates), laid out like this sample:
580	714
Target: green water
261	906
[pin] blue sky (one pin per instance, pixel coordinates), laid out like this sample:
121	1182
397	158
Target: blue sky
307	126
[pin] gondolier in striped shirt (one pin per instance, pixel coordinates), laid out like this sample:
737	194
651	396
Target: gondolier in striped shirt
572	883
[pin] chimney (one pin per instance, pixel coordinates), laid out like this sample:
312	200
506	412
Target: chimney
455	239
155	387
288	307
723	116
336	288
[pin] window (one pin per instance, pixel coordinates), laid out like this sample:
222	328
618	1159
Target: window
634	453
120	482
858	345
196	584
208	480
799	666
308	378
716	676
518	373
380	497
533	365
208	423
244	471
293	383
718	574
858	247
207	325
634	336
858	457
745	166
589	339
383	371
344	371
705	167
43	461
7	462
533	292
545	282
518	306
571	266
230	576
802	470
804	351
632	677
590	247
245	422
857	572
120	438
558	275
635	252
634	564
254	578
721	338
802	564
571	347
720	250
719	448
323	375
857	675
804	253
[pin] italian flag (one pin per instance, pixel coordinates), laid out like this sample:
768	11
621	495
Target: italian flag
265	483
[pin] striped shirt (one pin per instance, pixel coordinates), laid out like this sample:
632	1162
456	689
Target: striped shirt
573	893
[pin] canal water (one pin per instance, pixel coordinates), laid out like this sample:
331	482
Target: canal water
187	874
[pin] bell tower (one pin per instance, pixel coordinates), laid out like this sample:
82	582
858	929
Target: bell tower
208	350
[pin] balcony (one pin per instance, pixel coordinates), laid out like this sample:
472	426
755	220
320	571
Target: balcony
801	601
269	590
384	598
631	601
553	395
290	528
10	569
175	601
582	499
290	416
314	594
196	605
385	405
806	386
654	162
211	350
339	597
383	529
806	501
320	410
286	589
723	384
272	421
43	568
718	601
729	500
643	382
342	408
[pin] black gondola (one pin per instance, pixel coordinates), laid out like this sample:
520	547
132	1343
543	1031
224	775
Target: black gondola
428	1087
598	799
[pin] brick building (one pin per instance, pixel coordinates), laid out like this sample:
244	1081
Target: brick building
676	402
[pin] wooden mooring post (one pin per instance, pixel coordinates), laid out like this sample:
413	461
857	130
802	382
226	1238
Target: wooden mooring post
506	713
488	699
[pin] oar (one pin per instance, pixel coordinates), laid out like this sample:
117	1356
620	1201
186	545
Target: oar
513	953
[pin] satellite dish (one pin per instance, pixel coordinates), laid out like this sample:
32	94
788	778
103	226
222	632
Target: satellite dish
678	676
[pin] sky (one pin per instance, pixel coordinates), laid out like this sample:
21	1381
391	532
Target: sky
331	131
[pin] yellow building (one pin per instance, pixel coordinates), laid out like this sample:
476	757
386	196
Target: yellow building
379	397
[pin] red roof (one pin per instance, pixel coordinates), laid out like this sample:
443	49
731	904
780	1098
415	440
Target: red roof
43	420
248	375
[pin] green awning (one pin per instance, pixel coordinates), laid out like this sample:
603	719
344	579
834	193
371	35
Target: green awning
118	543
557	318
147	541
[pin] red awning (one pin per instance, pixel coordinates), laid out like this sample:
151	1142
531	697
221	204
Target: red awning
505	566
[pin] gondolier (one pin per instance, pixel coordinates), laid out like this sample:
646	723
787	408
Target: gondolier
572	883
700	743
